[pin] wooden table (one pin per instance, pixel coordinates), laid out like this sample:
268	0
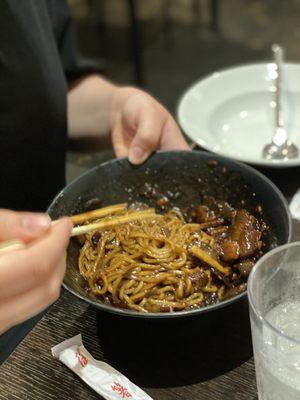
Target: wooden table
32	373
191	358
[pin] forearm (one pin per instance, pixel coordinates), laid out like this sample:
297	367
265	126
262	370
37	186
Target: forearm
90	104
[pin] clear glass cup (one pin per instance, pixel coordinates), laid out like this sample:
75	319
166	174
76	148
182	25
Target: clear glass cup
274	298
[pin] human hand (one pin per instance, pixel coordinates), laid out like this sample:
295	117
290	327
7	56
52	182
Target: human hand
30	278
141	125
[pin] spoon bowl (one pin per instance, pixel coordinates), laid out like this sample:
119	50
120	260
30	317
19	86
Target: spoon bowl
281	147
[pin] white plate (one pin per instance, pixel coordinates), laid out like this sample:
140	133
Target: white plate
231	112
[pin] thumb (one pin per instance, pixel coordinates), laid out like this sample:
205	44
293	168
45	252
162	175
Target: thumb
22	225
147	137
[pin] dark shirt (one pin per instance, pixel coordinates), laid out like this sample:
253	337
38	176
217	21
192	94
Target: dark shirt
36	56
37	60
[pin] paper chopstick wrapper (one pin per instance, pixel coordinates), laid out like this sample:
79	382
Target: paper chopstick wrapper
105	380
295	205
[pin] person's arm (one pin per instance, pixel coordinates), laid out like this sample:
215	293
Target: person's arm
89	104
138	124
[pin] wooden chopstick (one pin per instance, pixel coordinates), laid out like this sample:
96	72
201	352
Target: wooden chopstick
80	230
135	216
100	212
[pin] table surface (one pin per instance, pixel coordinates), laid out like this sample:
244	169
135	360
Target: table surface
170	360
32	373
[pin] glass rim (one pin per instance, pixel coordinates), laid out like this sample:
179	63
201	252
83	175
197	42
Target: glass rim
252	301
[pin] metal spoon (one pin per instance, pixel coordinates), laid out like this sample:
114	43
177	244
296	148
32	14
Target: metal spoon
281	148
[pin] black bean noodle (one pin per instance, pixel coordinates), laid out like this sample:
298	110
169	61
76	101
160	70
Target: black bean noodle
165	264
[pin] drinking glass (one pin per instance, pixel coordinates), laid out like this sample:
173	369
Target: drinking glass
274	298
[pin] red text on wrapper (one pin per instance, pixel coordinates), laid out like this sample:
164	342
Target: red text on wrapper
123	392
82	359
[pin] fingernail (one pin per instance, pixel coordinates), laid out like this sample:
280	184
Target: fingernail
136	155
36	222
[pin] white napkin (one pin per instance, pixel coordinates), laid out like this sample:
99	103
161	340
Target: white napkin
104	379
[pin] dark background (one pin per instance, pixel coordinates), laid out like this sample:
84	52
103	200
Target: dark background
164	46
177	40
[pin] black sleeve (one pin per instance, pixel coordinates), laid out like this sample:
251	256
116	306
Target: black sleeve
74	66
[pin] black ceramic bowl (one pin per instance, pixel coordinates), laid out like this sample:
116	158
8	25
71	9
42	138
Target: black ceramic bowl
190	173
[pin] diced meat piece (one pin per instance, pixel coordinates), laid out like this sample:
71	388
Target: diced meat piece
199	279
217	231
212	163
235	291
162	202
201	213
230	251
219	207
91	204
243	231
245	267
95	238
211	223
224	210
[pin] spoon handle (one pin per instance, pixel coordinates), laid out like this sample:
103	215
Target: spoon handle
278	61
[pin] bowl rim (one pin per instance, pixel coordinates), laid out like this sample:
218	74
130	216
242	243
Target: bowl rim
185	313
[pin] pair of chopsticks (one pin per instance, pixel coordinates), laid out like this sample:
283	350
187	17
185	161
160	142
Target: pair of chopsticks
90	215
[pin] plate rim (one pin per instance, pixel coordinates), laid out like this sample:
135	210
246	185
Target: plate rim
203	144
